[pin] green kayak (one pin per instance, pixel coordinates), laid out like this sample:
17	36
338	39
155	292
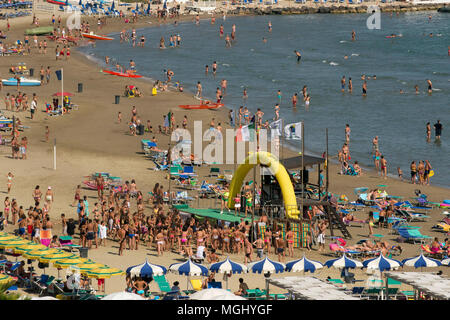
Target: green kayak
39	31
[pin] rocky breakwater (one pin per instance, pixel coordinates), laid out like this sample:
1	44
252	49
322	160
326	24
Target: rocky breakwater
330	9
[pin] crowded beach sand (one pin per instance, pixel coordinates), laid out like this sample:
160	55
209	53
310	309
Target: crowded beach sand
90	139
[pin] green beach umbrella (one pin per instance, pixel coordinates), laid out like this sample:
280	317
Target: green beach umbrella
56	256
13	243
35	254
29	247
65	263
104	273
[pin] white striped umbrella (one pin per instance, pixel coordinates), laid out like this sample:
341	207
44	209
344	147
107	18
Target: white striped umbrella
228	266
381	263
344	262
266	266
421	262
189	268
446	262
304	265
146	269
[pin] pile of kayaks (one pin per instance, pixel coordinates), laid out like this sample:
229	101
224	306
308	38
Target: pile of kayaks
128	74
23	82
204	105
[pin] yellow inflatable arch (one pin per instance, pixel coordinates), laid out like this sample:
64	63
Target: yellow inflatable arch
277	169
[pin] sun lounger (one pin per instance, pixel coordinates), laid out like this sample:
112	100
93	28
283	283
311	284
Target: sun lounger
43	283
413	235
372	293
163	285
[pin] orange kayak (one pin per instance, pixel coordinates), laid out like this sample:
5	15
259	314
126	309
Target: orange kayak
201	106
95	36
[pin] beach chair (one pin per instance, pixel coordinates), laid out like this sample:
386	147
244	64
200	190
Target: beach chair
42	284
162	283
196	284
371	293
413	235
66	242
407	294
357	291
188	170
46	237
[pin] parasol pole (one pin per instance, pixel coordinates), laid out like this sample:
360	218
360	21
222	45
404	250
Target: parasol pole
54	155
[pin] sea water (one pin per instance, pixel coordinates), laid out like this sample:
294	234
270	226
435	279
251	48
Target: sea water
399	119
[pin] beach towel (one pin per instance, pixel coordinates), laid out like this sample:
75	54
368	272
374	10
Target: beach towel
46	237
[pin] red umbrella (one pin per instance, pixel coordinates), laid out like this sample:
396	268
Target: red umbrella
62	94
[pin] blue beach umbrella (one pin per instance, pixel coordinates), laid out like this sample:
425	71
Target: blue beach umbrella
229	267
137	7
343	262
421	262
113	6
146	269
266	266
189	268
148	9
382	263
304	265
165	5
446	262
80	3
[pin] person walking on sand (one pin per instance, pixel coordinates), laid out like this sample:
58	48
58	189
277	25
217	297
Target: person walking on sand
199	90
383	164
290	240
10	176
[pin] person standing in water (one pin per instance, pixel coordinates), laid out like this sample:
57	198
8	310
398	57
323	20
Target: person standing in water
343	83
364	88
244	96
214	68
350	85
428	132
221	31
353	35
299	56
383	164
279	96
294	100
227	41
347	133
438	130
270	26
430	86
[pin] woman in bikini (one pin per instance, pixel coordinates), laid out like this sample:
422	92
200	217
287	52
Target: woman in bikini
7	208
290	240
37	195
10	176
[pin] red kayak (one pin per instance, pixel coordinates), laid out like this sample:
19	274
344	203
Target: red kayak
201	106
96	36
123	74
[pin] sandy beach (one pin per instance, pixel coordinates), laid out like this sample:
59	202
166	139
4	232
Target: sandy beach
90	140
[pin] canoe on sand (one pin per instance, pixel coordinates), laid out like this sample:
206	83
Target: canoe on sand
201	106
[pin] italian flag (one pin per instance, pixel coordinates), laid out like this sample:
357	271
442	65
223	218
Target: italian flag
246	133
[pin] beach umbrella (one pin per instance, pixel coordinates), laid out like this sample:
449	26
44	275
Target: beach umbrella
189	268
56	256
122	295
229	267
5	279
35	254
80	3
29	247
13	243
146	269
446	262
214	294
113	6
382	263
4	236
304	265
421	262
62	94
65	263
137	7
266	266
148	9
165	5
343	262
104	273
87	266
